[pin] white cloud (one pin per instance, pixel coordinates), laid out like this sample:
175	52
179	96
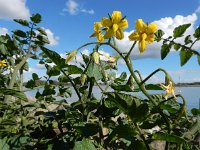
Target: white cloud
197	10
73	8
12	9
166	24
52	38
3	31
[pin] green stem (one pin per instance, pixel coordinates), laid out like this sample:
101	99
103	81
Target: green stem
142	136
73	85
186	47
129	52
157	70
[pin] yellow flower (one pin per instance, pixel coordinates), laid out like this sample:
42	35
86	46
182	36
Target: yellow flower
115	25
169	89
144	34
3	63
98	32
71	56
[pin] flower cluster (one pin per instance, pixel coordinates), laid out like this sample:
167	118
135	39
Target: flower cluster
114	26
3	63
109	27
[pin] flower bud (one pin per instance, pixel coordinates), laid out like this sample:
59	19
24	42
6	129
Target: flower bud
71	56
83	79
130	82
105	75
95	57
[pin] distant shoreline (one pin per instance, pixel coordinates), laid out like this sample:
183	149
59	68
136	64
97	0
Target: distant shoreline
193	84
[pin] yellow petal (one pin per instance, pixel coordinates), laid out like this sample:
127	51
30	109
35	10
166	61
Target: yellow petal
106	22
109	33
97	26
140	26
119	34
152	28
116	17
134	36
123	24
100	37
144	36
115	27
142	46
150	38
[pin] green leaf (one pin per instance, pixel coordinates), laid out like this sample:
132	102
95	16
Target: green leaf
168	137
30	84
3	144
176	47
180	30
72	69
94	70
22	22
197	32
88	129
123	76
55	57
85	58
159	35
130	105
165	49
85	144
14	93
20	33
35	76
42	31
125	88
3	49
188	39
153	87
43	39
185	55
52	71
195	111
198	58
36	18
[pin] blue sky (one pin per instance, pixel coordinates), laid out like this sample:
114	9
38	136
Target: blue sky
69	23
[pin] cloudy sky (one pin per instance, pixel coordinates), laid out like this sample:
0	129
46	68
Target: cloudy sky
69	23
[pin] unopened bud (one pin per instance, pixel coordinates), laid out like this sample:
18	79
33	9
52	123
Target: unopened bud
105	75
83	79
95	57
130	82
71	56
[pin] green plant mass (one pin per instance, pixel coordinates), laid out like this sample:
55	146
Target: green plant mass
120	118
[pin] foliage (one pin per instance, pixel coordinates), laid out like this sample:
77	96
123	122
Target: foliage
117	119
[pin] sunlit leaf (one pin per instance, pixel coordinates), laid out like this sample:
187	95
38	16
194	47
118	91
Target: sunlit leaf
22	22
197	32
42	31
85	144
36	18
94	70
55	57
180	30
185	55
19	33
168	137
165	49
3	144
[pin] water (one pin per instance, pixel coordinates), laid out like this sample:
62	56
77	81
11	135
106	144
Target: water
191	95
